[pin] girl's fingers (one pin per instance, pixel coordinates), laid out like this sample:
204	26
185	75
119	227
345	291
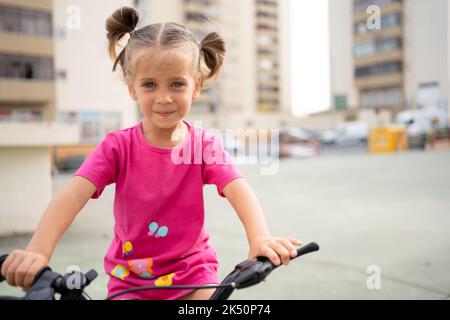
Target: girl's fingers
289	246
272	255
6	264
11	273
281	251
32	271
22	270
295	241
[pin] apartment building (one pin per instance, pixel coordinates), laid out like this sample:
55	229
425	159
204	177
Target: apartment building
87	91
378	53
27	111
253	89
27	89
389	55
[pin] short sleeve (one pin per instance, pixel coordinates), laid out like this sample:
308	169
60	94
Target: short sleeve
217	166
101	167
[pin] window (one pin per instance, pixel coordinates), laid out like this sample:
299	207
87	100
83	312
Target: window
376	69
263	76
26	67
428	94
387	97
62	74
389	20
266	64
26	115
18	20
266	14
94	125
265	40
340	102
362	5
267	2
202	2
384	45
21	115
43	23
365	49
264	27
196	16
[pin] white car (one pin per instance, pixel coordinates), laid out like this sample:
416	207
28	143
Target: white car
346	133
419	123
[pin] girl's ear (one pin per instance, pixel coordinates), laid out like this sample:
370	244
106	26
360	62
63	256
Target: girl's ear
132	92
197	90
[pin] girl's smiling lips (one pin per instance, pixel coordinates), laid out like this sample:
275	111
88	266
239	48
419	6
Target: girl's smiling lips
164	114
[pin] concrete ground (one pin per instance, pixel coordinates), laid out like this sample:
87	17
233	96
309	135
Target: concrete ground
389	213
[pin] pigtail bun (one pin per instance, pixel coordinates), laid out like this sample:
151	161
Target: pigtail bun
121	22
213	48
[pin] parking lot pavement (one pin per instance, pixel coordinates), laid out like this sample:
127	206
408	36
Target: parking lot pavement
382	223
351	149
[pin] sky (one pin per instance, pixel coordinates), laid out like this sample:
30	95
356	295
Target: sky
310	57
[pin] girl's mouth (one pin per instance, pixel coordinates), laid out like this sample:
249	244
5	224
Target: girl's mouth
164	114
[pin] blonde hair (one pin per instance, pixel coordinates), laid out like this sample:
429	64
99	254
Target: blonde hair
208	54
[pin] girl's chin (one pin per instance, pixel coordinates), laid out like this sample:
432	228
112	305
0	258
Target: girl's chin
165	123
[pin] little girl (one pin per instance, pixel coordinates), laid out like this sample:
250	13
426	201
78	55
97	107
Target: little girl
159	235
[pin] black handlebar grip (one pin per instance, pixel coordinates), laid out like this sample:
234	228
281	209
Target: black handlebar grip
307	248
2	259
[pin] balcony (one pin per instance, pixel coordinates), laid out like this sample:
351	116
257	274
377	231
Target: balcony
35	4
373	35
377	58
24	44
269	21
38	134
26	91
379	81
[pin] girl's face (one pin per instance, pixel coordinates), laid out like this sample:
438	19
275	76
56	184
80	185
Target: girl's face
164	86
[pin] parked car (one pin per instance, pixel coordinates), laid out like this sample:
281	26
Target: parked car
347	133
299	143
234	146
419	124
299	135
70	164
328	137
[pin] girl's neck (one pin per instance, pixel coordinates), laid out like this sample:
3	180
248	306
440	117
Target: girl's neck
162	137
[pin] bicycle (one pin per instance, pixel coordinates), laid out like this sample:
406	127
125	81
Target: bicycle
48	283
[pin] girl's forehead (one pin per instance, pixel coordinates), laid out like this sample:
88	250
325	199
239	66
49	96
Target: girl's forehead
167	63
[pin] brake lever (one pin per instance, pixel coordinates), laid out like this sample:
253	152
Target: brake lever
42	288
251	272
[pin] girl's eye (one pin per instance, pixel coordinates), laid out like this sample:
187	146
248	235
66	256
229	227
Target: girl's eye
178	84
149	85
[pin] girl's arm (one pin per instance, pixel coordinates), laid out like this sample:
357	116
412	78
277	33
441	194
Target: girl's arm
261	242
21	265
60	213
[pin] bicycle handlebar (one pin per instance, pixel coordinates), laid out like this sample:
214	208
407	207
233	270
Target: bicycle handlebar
2	259
247	273
46	283
251	272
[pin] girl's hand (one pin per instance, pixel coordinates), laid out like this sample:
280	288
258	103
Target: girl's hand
20	268
274	249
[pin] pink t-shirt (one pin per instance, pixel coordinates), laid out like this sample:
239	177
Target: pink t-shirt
159	235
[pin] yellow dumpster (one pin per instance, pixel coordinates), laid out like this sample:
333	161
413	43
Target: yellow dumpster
388	140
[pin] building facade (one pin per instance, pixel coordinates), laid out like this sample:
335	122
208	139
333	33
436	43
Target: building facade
253	89
27	89
389	55
27	111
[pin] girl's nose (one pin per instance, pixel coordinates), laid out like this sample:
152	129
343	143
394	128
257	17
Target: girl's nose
164	98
